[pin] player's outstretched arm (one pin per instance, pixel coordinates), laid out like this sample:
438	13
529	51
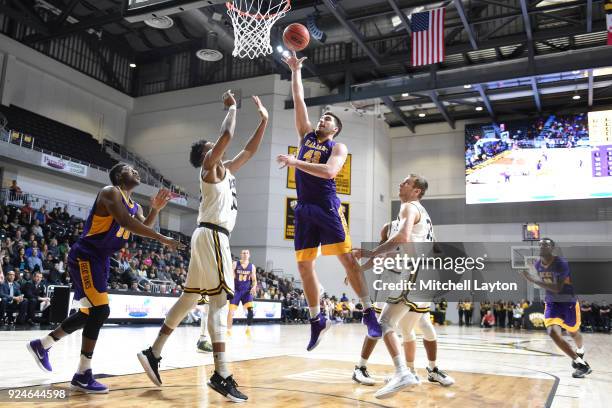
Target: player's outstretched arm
408	216
302	124
254	142
327	170
110	198
214	155
158	203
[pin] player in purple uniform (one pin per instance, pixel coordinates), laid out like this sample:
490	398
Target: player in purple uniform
561	308
245	285
112	218
319	221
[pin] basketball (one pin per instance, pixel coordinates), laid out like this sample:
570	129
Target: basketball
296	37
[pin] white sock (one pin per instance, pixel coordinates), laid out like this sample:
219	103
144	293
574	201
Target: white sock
578	360
400	365
203	337
363	362
84	364
220	364
580	350
432	364
366	302
158	345
47	342
314	311
410	365
204	326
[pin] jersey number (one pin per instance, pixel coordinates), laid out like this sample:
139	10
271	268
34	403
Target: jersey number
123	233
312	156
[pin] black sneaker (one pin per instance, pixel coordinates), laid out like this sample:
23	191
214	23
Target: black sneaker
574	364
582	370
226	387
151	365
361	376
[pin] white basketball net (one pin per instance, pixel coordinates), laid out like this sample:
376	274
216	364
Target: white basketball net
252	21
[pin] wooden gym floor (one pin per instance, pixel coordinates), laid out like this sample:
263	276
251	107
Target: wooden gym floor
491	369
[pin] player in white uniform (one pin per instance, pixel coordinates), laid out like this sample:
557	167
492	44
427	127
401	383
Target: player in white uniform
413	225
210	267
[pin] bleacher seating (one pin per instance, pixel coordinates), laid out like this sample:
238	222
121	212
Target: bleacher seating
56	137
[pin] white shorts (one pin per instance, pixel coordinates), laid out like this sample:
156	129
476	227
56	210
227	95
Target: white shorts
210	268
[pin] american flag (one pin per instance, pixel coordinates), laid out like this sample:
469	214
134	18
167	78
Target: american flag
427	37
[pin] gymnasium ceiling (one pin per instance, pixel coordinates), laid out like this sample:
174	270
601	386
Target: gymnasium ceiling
503	57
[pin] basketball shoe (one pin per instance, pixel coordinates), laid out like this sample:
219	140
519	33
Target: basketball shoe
439	376
398	382
226	387
85	382
151	365
319	325
582	370
204	346
40	354
361	376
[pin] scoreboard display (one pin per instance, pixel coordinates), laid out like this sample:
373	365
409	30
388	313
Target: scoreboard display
140	10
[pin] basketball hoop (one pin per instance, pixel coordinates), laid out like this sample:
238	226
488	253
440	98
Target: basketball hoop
252	21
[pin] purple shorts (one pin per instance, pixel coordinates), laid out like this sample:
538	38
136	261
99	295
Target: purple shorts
89	274
564	314
316	225
244	296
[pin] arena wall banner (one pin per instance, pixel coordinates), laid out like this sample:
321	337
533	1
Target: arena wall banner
62	165
291	202
343	179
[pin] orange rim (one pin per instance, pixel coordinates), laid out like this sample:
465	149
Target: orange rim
258	16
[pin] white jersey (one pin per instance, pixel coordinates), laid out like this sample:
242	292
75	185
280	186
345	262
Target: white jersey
218	203
422	231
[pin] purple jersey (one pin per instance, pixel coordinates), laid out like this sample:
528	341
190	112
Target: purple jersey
557	271
104	234
313	189
242	277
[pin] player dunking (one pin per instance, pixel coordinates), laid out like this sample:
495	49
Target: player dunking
245	285
112	218
561	307
210	267
318	217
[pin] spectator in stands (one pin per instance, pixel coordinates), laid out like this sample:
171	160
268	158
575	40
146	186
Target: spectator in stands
134	287
5	224
64	248
53	249
10	292
64	216
15	191
37	229
41	215
33	245
488	320
6	263
34	262
20	261
54	275
587	316
344	298
2	301
28	211
36	293
147	287
358	311
517	314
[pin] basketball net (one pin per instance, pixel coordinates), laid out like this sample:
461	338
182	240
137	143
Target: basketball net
252	21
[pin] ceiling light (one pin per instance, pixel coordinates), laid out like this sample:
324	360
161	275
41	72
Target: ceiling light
467	86
576	97
479	108
405	95
421	115
575	72
132	65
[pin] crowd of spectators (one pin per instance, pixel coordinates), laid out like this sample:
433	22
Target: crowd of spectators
501	314
34	246
595	317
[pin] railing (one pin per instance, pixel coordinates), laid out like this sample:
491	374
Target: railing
148	174
29	142
8	197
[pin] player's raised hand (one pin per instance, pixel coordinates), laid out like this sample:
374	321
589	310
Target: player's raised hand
263	112
294	63
285	160
228	98
161	199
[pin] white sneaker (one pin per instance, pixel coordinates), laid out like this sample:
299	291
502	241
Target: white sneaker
395	384
361	376
387	379
439	376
